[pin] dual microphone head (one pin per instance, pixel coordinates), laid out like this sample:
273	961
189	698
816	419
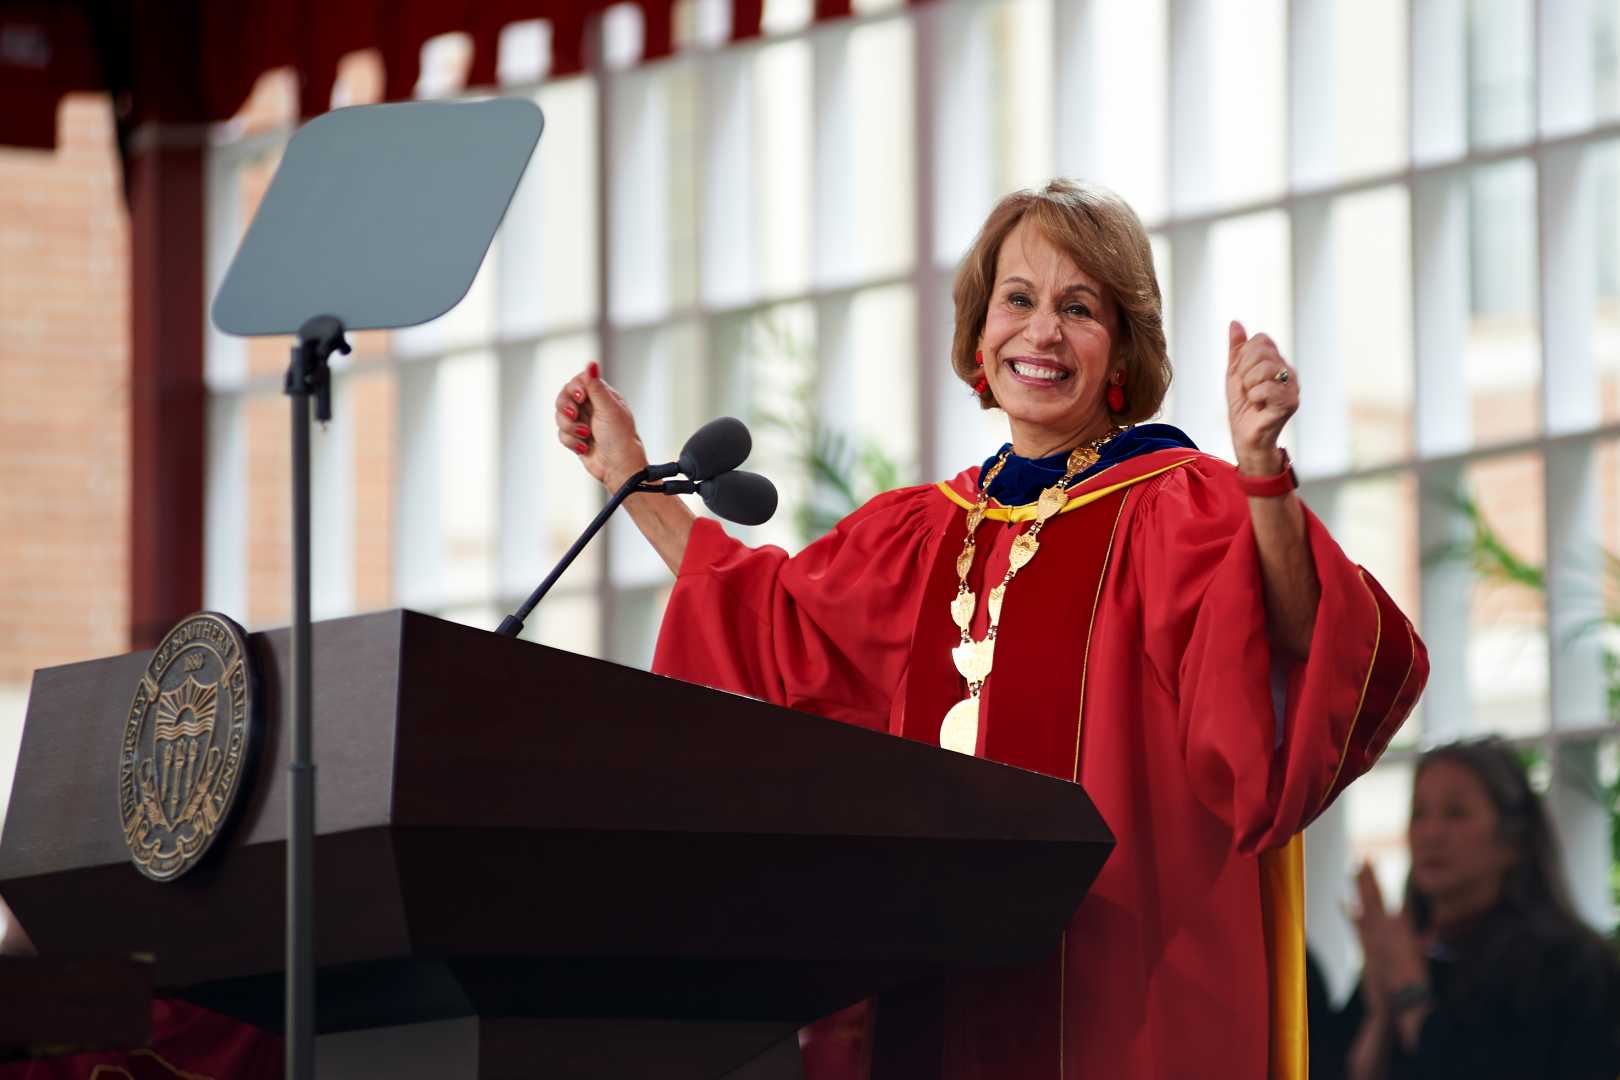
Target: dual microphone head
709	462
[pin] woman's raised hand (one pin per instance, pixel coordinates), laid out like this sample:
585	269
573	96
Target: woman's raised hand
594	422
1262	392
1393	951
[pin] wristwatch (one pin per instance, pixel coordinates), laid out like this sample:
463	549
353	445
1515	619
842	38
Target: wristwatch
1268	486
1413	995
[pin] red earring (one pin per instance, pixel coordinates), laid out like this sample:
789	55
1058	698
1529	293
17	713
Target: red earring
1116	398
982	387
978	358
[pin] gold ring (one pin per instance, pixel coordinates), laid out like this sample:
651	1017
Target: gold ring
1281	376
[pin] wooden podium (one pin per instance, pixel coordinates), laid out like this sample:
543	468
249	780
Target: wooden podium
586	870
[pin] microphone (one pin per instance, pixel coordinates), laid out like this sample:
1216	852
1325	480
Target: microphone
744	497
717	447
709	460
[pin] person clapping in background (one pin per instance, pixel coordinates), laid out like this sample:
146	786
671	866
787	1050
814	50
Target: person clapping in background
1487	971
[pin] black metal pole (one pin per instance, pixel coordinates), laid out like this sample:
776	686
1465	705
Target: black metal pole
300	1004
309	381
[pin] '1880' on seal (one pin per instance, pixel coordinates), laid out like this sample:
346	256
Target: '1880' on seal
185	747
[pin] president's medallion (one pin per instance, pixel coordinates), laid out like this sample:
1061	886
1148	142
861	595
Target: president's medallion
186	743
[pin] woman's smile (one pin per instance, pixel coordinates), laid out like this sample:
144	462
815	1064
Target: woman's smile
1037	371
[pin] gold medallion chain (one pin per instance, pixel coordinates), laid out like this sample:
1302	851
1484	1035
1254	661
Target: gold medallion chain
960	729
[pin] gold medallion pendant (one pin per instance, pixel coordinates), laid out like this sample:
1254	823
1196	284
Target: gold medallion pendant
959	730
973	658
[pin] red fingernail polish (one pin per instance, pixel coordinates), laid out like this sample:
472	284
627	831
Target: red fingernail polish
593	371
579	395
579	448
581	430
571	412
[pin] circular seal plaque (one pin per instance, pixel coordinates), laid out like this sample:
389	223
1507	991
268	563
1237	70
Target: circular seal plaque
185	746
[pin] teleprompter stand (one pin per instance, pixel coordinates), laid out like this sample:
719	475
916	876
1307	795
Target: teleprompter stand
378	217
309	381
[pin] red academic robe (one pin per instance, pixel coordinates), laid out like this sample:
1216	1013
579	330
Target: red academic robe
1133	659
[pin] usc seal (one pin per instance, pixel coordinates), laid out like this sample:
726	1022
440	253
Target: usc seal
186	742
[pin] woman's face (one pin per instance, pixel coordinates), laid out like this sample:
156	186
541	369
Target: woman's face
1457	847
1048	343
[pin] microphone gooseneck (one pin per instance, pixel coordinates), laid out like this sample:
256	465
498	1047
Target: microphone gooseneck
709	460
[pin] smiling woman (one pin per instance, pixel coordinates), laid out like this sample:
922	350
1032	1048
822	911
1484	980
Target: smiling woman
1099	602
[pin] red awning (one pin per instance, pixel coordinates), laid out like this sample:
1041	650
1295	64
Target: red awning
130	48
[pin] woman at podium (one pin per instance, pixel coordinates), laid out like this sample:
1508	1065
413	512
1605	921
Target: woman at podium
1097	600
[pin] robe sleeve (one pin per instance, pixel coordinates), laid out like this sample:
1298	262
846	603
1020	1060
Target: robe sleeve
1267	747
827	631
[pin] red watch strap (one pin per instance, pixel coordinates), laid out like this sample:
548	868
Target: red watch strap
1264	487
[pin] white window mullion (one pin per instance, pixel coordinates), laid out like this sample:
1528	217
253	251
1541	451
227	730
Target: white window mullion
225	509
1566	95
418	546
934	322
639	243
1312	138
961	114
727	273
1193	127
1438	66
1077	46
525	402
224	355
1579	805
1321	432
1440	277
1569	277
1575	605
836	245
1447	585
783	176
1199	405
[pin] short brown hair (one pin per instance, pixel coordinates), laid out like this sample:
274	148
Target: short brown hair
1104	237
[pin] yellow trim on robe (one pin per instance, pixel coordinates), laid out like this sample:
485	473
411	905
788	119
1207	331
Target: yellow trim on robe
1372	665
1027	511
1282	911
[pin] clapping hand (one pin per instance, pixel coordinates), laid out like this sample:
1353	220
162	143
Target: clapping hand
1390	942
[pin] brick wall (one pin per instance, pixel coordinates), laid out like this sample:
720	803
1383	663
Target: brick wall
64	409
64	397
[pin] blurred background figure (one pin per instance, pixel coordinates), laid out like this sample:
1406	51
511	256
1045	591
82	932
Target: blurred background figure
1486	971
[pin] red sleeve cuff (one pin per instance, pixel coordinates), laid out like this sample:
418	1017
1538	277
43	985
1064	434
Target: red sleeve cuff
1399	669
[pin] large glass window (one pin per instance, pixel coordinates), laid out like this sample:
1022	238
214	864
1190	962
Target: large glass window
1419	201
